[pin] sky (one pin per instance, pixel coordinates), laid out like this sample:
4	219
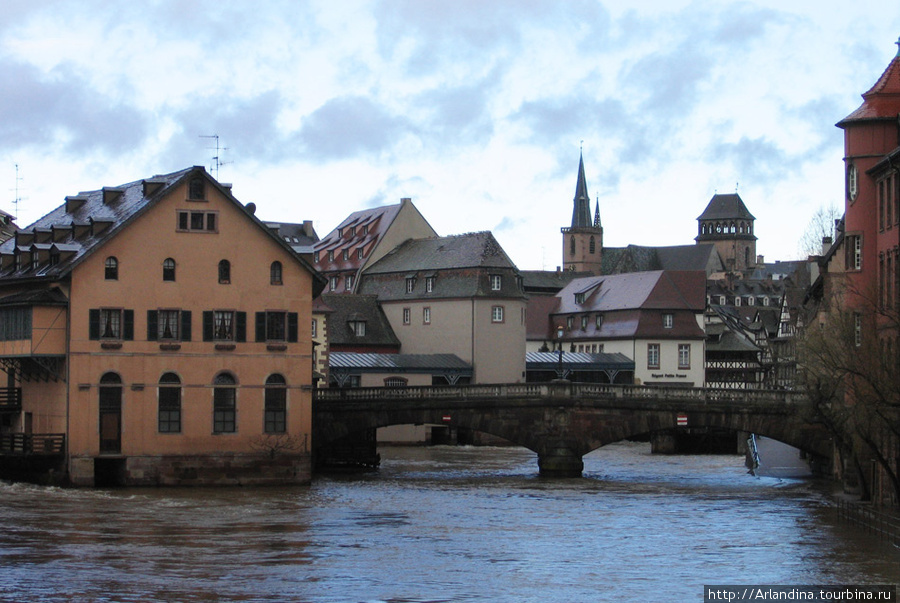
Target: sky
475	109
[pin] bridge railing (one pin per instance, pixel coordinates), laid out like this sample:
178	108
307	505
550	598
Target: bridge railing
695	395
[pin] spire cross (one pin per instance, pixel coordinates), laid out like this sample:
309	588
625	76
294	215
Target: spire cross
898	46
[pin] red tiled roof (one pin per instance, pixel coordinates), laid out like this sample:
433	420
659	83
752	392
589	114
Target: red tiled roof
883	99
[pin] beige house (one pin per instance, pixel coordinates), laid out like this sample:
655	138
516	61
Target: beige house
162	330
655	318
459	295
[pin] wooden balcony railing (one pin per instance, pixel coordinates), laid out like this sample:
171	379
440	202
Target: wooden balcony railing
42	444
10	399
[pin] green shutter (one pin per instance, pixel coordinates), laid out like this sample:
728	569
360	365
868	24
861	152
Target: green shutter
292	327
152	325
128	323
260	326
240	333
207	325
94	324
185	325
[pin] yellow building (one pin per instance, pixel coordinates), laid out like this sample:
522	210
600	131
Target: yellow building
163	330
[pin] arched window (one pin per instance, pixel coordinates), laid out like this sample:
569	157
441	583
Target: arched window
110	413
275	273
111	269
276	404
718	228
169	403
168	269
224	272
224	404
746	257
742	228
593	247
571	245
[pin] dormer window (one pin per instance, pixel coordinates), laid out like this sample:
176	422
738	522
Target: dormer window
579	298
599	321
570	321
330	255
357	327
353	231
346	254
584	322
429	284
410	284
111	269
668	321
359	253
496	282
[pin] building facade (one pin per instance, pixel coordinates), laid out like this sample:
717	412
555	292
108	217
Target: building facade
164	351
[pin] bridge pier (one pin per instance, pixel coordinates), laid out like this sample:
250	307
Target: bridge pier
560	462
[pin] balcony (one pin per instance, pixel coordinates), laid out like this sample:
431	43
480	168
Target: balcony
10	399
32	444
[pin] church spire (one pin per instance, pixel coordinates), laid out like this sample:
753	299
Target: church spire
581	212
597	214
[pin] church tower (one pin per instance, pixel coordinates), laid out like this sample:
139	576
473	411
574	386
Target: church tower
583	241
728	225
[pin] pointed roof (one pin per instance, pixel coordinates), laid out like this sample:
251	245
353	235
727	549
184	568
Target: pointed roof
882	101
726	207
581	211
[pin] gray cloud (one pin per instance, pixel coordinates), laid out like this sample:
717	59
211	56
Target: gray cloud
349	126
58	109
756	159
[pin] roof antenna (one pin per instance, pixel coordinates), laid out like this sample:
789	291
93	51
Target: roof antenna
216	159
736	184
17	198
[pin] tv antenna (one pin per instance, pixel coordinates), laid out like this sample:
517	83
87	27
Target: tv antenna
17	198
217	158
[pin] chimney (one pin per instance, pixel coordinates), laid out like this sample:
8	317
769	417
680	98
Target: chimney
405	200
760	260
826	245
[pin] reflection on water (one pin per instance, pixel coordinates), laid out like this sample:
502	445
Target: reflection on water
440	524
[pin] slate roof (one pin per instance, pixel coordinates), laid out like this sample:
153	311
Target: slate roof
637	258
347	307
472	250
726	207
36	297
548	282
301	237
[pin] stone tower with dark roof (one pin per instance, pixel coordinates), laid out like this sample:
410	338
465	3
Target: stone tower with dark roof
583	241
728	224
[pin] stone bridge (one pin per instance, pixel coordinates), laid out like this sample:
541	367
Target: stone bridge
562	422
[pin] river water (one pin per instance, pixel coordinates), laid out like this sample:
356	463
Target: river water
440	524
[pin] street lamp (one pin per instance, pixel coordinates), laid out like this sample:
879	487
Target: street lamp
560	331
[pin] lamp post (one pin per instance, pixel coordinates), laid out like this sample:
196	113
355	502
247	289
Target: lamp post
559	335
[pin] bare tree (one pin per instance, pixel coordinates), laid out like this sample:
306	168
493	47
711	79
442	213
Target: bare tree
821	225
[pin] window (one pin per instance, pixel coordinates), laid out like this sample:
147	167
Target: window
315	328
497	314
224	272
580	297
111	269
395	382
496	282
276	404
196	190
331	255
345	255
224	325
426	316
599	320
852	182
857	330
359	253
111	323
684	355
571	245
316	257
584	322
357	327
570	322
168	269
737	301
881	205
348	282
275	273
429	284
197	221
353	231
668	321
406	316
168	325
333	283
652	355
224	404
15	323
410	284
169	403
854	252
592	246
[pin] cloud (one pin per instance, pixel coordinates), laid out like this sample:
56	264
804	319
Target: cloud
57	109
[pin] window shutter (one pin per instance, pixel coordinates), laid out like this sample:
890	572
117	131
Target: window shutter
292	327
240	333
94	324
152	325
207	325
128	325
260	326
185	325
